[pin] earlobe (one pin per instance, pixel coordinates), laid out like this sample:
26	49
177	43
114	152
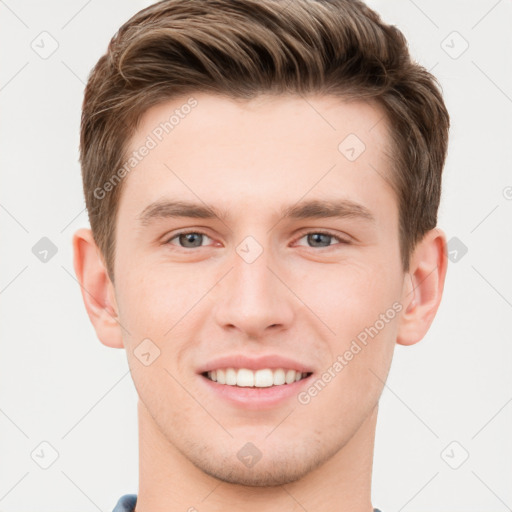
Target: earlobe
96	288
424	287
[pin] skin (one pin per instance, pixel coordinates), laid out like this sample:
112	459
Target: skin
302	297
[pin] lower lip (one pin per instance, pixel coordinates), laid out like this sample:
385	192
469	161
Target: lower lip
256	398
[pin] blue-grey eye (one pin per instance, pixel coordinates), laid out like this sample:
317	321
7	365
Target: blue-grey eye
320	239
189	240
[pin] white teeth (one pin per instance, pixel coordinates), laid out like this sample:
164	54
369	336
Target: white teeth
244	378
263	378
230	377
290	376
279	377
260	379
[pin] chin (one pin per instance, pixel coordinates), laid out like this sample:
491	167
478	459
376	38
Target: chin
275	468
263	476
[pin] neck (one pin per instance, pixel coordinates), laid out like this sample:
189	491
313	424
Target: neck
169	482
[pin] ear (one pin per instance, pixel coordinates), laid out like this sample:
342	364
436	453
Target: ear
97	289
423	287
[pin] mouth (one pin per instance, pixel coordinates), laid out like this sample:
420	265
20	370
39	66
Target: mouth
254	382
263	378
260	390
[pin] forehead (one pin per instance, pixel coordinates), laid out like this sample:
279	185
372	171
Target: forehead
207	115
208	146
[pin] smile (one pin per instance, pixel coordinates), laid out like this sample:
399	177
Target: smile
263	378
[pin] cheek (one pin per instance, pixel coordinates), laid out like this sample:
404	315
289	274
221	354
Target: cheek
151	302
363	313
360	305
153	312
349	297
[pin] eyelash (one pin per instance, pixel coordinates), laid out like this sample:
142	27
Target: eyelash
195	232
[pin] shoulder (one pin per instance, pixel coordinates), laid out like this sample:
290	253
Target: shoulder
126	503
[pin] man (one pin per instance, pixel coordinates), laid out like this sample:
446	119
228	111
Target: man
262	180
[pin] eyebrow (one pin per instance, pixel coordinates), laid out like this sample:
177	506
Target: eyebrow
311	209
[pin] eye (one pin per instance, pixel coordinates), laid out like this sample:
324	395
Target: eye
321	239
194	239
189	239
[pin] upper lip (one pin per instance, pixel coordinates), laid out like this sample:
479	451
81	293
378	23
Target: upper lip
254	363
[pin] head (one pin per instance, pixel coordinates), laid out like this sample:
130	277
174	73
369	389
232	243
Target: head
313	147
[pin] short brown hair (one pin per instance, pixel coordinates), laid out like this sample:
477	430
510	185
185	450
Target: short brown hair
242	48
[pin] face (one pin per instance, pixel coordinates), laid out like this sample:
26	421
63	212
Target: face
259	236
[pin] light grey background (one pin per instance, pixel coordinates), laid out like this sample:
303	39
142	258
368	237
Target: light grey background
448	397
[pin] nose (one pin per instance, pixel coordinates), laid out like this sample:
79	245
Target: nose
254	298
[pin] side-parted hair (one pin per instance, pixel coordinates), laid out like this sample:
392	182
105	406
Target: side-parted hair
243	48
